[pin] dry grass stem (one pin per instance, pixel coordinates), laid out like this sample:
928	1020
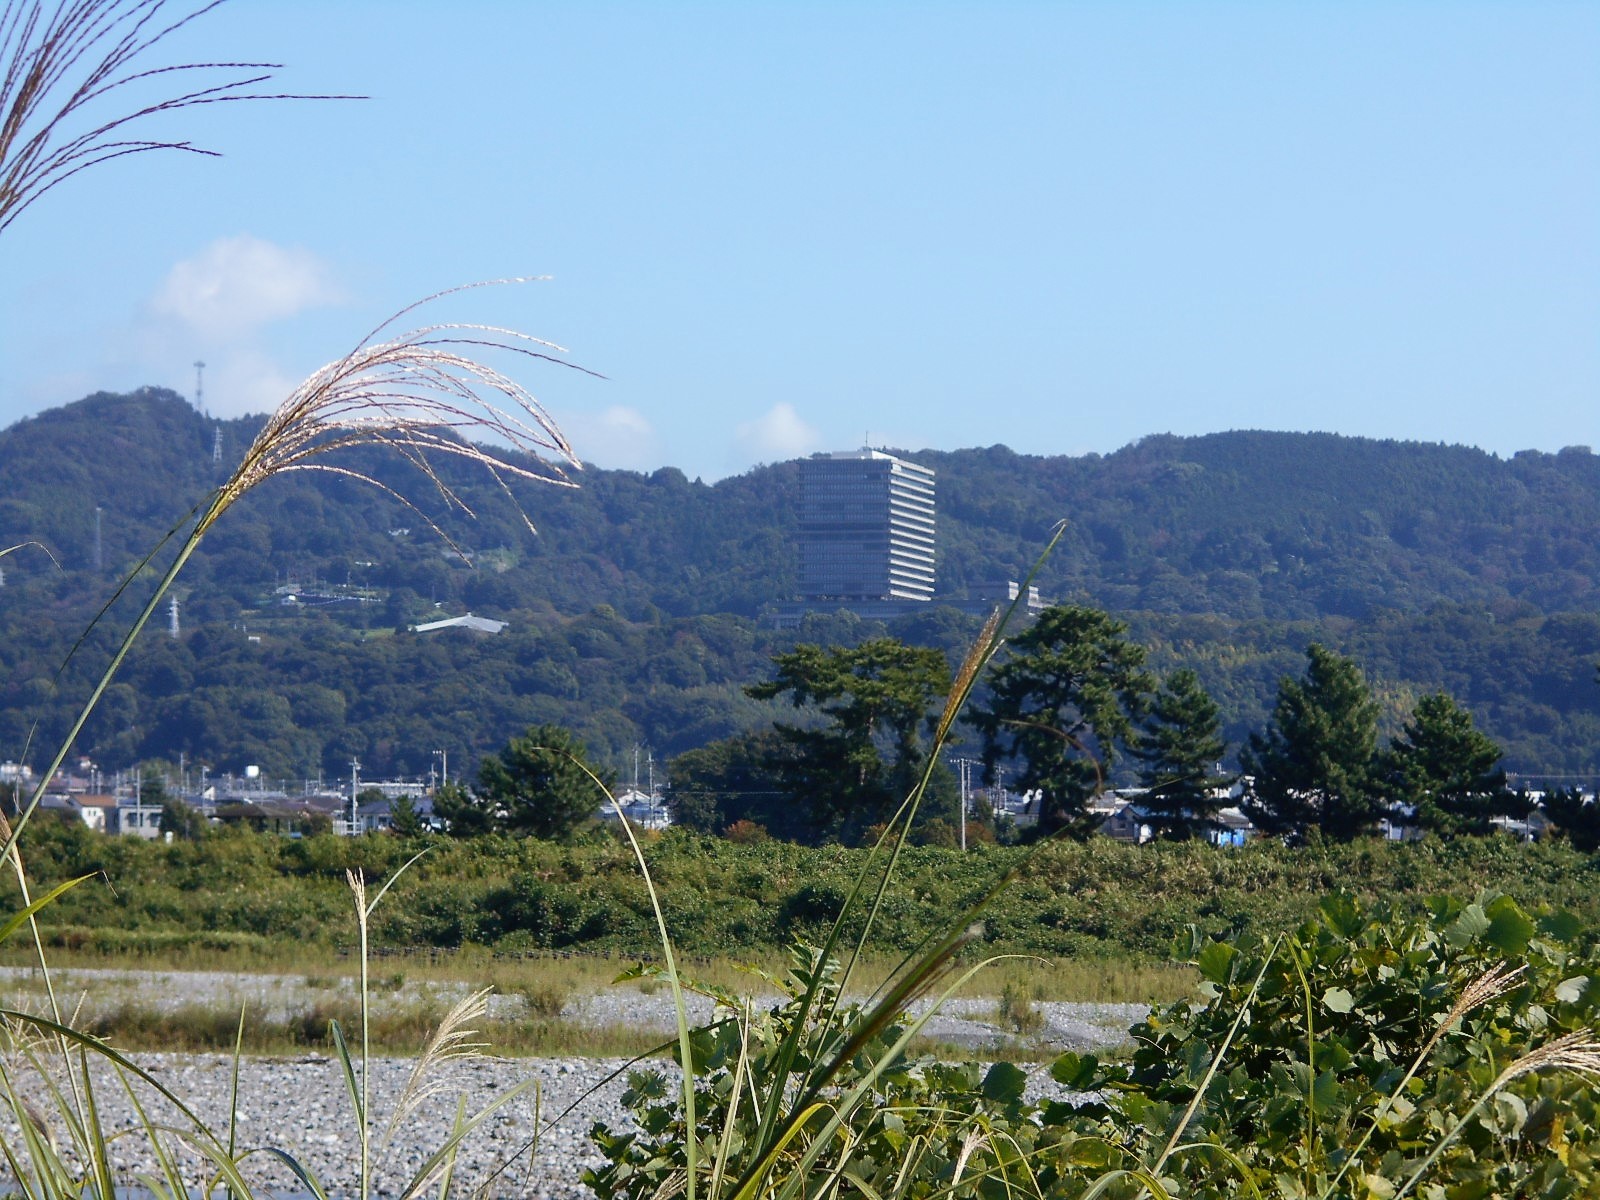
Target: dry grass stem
983	648
64	69
1490	986
1577	1052
975	1140
1485	989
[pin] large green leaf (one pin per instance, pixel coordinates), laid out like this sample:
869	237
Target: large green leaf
1005	1083
1510	929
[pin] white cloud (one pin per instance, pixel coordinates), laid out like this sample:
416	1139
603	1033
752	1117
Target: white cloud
620	437
246	381
236	285
776	435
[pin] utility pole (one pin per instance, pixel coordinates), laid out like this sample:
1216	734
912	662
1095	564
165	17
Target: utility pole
964	773
355	786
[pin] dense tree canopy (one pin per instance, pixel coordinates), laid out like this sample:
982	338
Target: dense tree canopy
1443	773
738	779
879	700
1063	705
636	613
1312	768
1181	751
1576	817
541	785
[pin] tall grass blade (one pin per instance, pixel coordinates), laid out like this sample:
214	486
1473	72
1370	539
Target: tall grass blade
1233	1160
307	1180
169	1185
445	1155
341	1050
844	1110
17	920
670	964
94	1138
1147	1179
233	1091
196	1133
730	1127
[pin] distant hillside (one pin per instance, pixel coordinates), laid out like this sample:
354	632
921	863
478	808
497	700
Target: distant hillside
636	610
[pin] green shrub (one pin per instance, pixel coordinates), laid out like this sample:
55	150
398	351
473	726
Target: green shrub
1365	1044
1363	1056
909	1126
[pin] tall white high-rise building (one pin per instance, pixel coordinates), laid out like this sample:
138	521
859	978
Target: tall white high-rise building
866	527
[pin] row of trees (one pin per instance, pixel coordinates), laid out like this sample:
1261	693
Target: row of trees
1071	710
1318	763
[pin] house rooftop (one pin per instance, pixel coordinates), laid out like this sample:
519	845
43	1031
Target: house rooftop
481	624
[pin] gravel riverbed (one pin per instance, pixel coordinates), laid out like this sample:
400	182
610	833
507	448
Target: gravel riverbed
534	1146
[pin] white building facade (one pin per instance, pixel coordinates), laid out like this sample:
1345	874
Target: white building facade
866	527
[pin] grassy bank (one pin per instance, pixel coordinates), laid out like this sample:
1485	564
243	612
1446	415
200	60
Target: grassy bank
242	900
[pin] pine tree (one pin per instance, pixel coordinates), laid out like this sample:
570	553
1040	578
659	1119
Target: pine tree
1445	770
404	820
1064	703
542	784
1575	816
881	699
1181	750
464	815
1313	766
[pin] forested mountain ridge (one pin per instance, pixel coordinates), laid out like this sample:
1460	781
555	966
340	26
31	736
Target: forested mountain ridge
1243	524
1284	525
635	610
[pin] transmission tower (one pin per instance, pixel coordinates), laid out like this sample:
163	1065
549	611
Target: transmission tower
199	388
99	550
172	617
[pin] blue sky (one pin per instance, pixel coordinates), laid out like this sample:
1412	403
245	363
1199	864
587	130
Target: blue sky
779	228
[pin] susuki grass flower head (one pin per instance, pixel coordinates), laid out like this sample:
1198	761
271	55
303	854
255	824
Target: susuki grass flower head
75	90
423	393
